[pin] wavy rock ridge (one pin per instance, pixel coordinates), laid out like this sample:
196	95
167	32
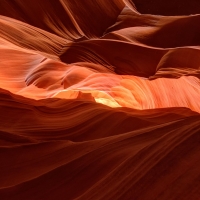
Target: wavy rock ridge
98	101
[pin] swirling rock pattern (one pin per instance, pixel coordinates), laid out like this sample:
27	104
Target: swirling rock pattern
99	100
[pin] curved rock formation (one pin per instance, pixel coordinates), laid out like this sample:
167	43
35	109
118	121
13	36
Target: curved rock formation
99	100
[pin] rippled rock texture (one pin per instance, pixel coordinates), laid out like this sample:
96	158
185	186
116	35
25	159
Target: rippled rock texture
99	100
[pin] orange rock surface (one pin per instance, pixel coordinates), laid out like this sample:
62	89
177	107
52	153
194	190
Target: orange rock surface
99	100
